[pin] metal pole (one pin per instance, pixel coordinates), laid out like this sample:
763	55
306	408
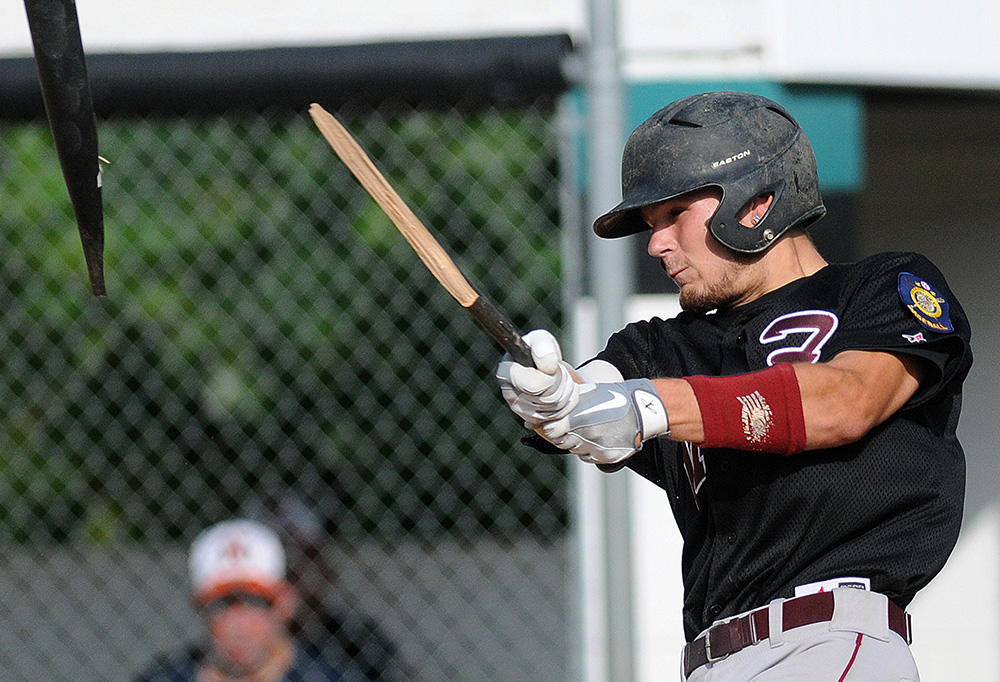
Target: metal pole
612	279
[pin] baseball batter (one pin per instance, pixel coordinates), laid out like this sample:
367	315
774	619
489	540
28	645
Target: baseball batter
800	415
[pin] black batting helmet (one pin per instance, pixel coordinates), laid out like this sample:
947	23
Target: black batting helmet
744	144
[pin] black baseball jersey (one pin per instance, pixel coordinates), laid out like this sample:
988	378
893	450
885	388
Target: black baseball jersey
887	507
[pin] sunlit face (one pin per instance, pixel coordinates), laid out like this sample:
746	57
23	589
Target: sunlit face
709	275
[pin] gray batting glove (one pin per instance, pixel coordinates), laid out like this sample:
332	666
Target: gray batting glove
541	393
611	421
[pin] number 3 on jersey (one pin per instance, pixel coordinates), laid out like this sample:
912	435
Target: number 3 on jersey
818	327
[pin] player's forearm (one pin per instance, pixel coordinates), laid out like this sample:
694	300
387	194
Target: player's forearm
790	409
757	412
685	416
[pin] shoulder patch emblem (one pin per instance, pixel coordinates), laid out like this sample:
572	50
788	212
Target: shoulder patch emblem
930	309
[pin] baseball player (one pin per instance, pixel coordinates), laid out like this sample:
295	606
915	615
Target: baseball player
239	587
799	415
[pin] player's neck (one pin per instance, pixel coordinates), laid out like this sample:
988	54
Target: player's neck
808	256
792	258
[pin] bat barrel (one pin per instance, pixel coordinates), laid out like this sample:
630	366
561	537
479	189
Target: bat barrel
62	74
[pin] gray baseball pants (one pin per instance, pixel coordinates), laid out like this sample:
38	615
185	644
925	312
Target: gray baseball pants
856	645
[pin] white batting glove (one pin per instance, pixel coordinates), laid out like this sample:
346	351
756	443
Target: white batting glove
610	421
544	392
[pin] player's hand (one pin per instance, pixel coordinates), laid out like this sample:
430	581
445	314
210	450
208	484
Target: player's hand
544	392
610	421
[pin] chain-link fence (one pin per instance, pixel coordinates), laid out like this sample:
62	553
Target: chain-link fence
268	335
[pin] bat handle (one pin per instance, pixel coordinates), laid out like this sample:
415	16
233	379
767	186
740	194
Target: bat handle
502	330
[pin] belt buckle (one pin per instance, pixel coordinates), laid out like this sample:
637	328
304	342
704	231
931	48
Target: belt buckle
708	647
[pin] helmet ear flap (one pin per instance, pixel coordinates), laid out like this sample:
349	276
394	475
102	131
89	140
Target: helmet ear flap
730	232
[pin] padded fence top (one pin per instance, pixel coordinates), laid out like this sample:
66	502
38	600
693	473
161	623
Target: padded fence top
504	71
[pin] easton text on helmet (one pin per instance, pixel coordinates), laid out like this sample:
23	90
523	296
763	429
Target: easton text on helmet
730	159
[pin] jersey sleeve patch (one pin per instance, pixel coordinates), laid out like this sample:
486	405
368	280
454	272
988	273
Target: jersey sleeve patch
924	303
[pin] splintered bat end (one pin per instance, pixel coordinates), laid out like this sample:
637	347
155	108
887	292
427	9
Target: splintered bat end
423	242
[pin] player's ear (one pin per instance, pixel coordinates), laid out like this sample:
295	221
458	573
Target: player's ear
286	602
755	211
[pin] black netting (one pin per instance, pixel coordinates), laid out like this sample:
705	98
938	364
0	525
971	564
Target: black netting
267	332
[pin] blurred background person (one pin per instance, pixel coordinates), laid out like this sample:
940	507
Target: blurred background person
353	642
240	590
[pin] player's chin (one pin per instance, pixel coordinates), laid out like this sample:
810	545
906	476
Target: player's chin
692	300
698	301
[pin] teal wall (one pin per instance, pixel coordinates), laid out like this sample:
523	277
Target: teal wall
833	118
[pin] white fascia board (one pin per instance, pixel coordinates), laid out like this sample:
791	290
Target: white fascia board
886	42
194	25
851	42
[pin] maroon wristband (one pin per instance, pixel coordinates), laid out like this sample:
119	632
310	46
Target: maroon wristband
760	411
